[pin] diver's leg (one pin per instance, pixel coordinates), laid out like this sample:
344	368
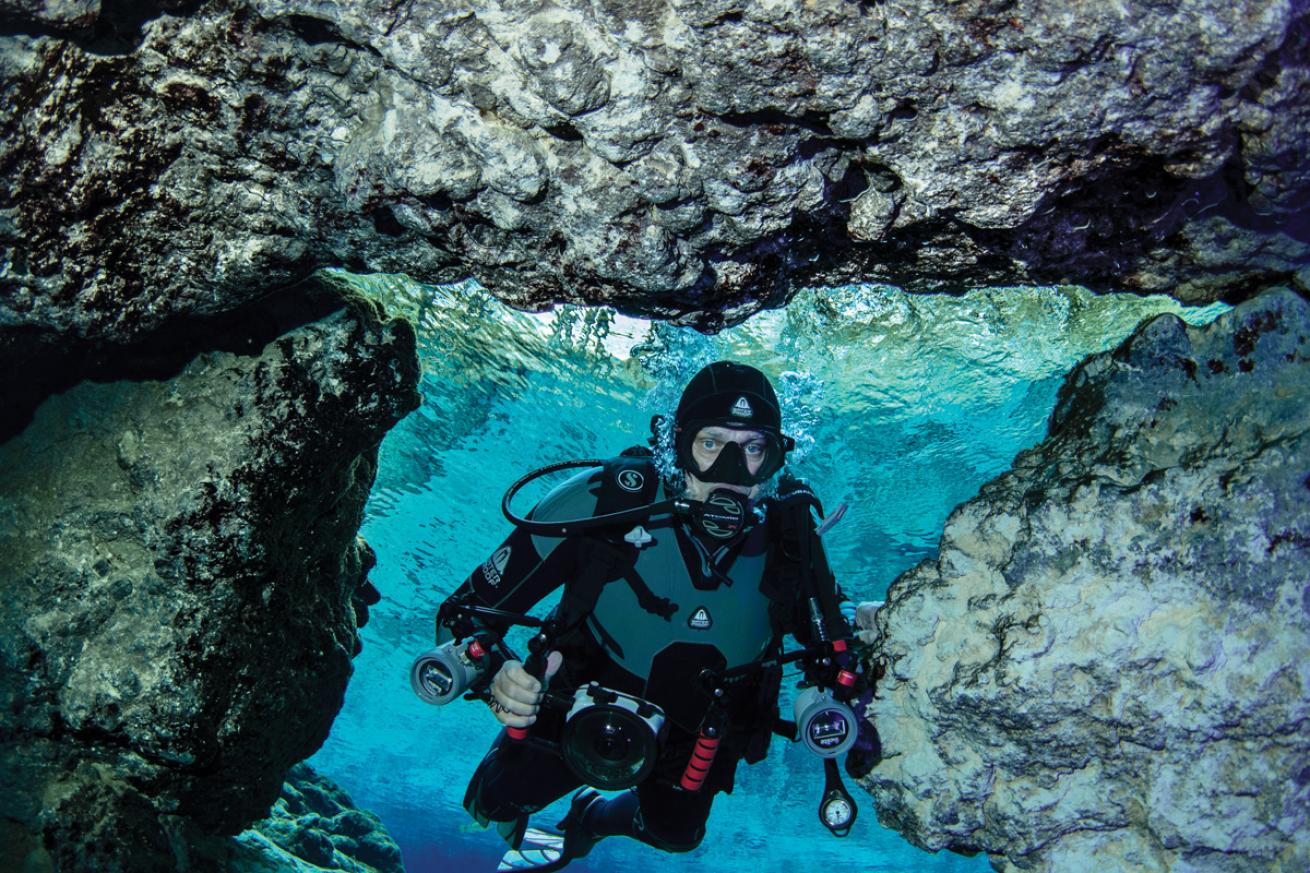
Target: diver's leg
658	815
671	819
514	780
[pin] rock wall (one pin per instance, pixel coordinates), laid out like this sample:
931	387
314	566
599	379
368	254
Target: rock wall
183	579
1108	666
691	160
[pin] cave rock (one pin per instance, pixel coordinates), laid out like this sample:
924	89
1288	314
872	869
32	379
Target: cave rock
690	160
1108	665
183	580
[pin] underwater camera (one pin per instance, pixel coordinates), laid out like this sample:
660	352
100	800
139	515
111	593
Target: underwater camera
825	725
611	739
441	675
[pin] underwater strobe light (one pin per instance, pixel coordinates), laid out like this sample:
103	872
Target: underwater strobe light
827	726
441	675
611	739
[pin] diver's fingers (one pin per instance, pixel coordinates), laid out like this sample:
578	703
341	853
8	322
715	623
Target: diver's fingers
553	662
508	709
505	713
513	685
511	712
514	703
519	682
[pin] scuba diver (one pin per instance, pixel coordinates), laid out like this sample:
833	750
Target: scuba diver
660	668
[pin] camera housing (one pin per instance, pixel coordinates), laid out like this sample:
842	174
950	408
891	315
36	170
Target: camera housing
611	740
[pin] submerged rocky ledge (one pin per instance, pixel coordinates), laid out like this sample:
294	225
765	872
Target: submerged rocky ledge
1108	666
313	823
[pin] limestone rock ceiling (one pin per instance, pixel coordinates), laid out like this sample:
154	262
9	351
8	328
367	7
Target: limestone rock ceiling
685	160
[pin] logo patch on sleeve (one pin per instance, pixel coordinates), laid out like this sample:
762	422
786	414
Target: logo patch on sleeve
700	619
494	567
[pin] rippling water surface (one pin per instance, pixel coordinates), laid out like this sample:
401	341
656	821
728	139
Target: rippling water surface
902	407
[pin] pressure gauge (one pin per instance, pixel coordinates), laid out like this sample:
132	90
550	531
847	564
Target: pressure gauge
837	810
836	813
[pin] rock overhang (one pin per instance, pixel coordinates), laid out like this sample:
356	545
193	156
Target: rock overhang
687	161
693	163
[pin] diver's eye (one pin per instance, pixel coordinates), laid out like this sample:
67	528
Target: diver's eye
755	449
709	445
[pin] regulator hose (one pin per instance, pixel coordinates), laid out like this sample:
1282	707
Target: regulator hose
565	528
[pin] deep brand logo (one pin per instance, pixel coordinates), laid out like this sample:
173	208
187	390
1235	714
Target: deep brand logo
494	568
700	619
742	407
631	480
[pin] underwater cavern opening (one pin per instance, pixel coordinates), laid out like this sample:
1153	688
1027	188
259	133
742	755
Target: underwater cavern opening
902	406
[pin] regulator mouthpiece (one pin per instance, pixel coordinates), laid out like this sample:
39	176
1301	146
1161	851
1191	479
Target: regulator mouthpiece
722	515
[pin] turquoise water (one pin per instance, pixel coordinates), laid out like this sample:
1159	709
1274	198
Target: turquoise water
902	406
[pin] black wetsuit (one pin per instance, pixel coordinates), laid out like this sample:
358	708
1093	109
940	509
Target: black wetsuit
645	621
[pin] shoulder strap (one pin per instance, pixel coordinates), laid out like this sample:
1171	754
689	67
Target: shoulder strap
627	481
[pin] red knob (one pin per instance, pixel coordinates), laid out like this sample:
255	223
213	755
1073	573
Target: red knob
846	678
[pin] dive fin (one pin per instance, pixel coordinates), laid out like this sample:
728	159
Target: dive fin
540	851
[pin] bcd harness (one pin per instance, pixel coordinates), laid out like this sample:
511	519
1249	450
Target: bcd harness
796	569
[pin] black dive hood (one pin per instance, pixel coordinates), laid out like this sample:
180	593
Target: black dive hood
722	515
724	394
734	396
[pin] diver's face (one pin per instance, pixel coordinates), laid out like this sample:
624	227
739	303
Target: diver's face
705	450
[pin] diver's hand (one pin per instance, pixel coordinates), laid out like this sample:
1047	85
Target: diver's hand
516	693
